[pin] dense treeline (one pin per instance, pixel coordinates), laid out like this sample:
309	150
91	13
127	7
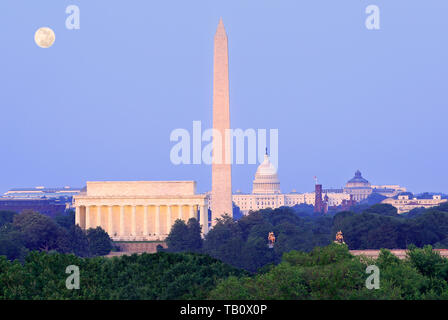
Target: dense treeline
329	272
31	231
304	263
243	243
147	276
380	226
333	273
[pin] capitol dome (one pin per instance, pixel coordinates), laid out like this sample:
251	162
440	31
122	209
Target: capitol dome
358	187
266	178
357	181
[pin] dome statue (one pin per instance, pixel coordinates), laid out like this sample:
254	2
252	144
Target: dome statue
266	178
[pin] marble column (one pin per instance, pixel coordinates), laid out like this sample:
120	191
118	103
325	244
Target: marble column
157	226
110	222
121	220
145	221
98	216
88	226
191	212
78	216
168	219
180	212
134	221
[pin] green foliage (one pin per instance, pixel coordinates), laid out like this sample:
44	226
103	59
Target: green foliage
11	243
382	209
304	263
333	273
146	276
334	253
30	231
224	241
185	237
194	240
99	242
282	282
329	272
6	217
79	241
427	262
66	220
243	243
40	232
380	227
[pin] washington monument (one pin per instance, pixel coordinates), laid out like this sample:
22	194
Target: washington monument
221	165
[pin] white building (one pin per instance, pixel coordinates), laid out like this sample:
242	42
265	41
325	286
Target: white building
361	189
266	192
404	204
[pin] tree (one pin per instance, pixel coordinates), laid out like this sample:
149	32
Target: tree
100	243
11	243
225	241
66	220
41	232
146	276
194	236
78	241
185	237
176	239
382	209
6	217
325	273
426	260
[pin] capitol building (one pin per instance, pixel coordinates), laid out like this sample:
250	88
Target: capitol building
266	192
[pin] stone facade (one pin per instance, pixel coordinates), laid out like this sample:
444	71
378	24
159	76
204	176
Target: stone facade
253	202
138	247
139	210
404	204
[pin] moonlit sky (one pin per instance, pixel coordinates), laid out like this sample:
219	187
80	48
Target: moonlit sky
100	104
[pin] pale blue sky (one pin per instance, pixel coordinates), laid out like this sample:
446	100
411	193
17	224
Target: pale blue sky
101	103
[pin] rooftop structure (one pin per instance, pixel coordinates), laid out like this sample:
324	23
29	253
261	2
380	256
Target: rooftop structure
41	193
405	204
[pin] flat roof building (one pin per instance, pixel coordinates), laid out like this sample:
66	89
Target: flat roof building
139	210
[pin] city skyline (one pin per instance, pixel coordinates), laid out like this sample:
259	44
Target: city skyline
90	109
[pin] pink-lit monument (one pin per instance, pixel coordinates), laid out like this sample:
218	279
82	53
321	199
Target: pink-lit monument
221	165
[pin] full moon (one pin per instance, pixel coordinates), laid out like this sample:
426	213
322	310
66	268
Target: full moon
44	37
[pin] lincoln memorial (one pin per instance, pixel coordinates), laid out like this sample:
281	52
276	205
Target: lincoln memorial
139	210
